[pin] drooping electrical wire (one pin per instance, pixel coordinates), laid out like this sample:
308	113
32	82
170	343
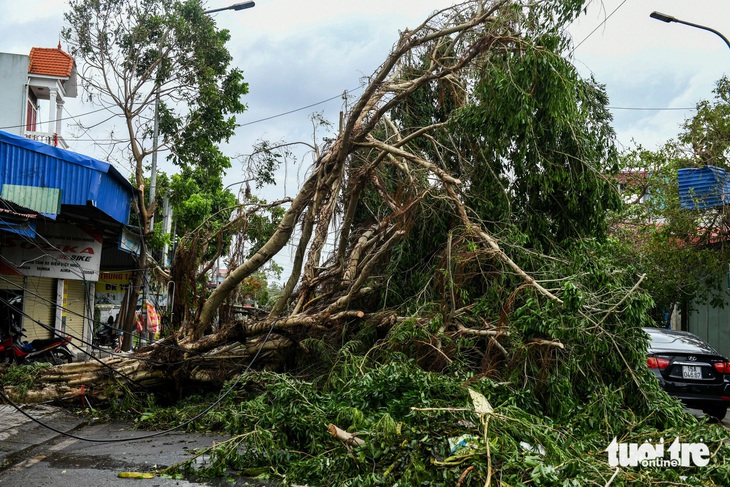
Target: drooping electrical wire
159	433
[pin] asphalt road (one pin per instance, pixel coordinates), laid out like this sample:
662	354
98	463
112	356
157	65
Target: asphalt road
33	455
698	414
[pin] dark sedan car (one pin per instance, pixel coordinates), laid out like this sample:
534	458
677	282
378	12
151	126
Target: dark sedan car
689	369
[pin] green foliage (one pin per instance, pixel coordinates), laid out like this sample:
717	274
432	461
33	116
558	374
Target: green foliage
531	144
420	428
157	239
707	133
164	60
23	377
545	133
573	378
261	226
681	251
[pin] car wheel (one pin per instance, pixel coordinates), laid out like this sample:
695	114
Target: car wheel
717	412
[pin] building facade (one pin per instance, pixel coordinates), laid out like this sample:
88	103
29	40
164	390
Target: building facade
47	76
62	214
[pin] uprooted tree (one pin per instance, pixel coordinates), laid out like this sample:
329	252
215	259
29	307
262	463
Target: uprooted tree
457	222
473	164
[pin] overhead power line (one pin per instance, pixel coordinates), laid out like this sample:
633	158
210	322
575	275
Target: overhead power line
63	119
654	109
598	27
294	111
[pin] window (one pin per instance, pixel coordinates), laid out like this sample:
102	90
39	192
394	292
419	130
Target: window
31	117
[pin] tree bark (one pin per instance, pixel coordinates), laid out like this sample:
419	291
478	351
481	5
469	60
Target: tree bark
348	439
270	248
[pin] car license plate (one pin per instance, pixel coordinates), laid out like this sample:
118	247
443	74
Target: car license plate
691	372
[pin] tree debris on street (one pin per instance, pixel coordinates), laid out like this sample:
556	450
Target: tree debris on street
453	277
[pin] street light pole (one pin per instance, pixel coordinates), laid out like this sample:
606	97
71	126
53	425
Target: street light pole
153	175
668	19
235	6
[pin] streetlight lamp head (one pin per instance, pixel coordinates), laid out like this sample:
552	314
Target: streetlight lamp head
669	18
243	5
236	6
662	17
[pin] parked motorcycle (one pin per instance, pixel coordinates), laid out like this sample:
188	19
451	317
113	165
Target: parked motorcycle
14	349
105	336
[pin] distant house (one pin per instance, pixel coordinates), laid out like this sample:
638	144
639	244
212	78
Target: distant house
27	82
63	215
633	185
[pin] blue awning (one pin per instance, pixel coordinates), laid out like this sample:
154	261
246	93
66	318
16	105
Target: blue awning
77	179
21	223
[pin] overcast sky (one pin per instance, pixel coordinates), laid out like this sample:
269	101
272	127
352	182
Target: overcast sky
294	54
297	54
645	63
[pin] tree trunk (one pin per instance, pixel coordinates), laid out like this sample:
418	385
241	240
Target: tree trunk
344	181
166	368
270	248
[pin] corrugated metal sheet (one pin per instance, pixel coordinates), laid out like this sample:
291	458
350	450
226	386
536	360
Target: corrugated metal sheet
82	180
712	324
703	187
42	200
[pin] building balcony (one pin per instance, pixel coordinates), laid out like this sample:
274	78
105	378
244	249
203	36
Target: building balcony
47	138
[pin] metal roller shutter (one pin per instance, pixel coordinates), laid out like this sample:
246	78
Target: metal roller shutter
75	313
39	304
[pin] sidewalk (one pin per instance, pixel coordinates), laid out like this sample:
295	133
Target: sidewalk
32	454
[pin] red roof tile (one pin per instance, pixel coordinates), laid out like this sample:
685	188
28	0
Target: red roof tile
50	62
632	177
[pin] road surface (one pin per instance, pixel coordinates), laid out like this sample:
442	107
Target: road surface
33	455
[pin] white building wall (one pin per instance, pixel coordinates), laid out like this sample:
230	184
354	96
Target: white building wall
13	80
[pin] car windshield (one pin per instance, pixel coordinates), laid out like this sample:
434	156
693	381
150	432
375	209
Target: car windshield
672	341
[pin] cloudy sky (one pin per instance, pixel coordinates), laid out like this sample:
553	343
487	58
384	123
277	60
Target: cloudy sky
294	54
645	63
299	57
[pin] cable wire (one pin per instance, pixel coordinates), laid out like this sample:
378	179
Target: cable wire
598	27
62	119
657	109
295	110
152	435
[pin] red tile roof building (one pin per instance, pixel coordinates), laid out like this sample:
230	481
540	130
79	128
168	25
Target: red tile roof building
46	61
47	76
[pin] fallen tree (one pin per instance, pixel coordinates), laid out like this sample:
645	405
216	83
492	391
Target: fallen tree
451	238
472	123
453	43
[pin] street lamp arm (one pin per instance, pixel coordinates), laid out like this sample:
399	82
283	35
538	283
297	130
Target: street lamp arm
668	18
235	6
